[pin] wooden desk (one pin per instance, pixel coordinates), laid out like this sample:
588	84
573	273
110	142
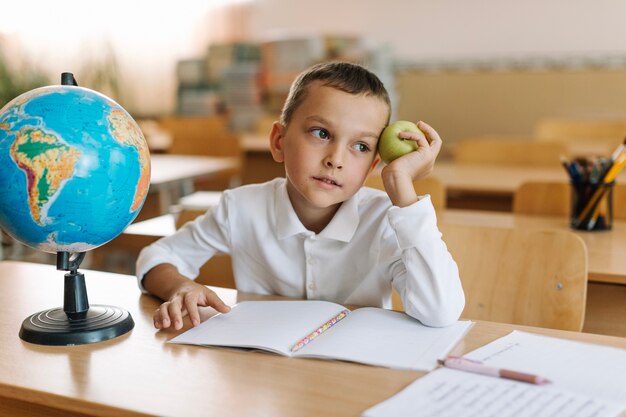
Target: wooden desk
173	176
138	374
258	166
491	187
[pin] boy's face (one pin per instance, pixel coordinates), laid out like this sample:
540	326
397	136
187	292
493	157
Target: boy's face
329	147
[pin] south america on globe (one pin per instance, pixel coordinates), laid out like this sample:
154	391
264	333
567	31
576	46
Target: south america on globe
74	169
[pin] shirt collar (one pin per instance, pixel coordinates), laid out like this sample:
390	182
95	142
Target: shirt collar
342	227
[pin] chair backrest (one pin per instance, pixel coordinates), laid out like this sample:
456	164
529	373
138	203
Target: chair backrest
501	150
583	137
200	135
528	277
218	271
429	185
538	197
208	136
580	128
554	199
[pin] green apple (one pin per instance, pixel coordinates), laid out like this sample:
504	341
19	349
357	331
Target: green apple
391	146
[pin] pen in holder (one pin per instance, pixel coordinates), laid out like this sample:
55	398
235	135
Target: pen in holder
592	182
592	205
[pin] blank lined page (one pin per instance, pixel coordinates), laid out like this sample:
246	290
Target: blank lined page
386	338
269	325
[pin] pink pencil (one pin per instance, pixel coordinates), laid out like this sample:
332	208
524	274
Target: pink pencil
469	365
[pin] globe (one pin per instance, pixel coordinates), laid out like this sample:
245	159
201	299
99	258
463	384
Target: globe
74	169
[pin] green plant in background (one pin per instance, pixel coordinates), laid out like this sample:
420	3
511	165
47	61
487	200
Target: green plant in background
101	72
15	81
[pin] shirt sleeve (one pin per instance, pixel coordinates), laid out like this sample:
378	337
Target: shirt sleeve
427	278
191	246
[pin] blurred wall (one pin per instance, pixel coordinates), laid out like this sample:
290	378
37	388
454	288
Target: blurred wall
463	104
148	37
455	29
481	67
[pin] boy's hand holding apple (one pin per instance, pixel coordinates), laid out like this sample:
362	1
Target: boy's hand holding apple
409	150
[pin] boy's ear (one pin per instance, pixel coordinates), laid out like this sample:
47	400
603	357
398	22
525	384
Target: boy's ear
276	142
376	161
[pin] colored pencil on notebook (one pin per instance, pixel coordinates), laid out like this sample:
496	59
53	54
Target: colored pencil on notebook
308	338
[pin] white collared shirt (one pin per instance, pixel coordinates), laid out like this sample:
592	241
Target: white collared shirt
368	246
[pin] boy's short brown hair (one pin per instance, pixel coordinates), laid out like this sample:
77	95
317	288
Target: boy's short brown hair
344	76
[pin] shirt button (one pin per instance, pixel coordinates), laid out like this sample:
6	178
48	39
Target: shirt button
311	287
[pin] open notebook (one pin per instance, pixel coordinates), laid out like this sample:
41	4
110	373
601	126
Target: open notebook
325	330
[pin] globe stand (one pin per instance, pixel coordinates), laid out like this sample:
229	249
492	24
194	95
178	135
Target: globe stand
76	323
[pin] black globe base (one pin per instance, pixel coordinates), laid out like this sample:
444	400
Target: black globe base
55	328
76	323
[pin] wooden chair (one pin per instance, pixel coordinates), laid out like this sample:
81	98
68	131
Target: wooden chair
429	185
197	135
551	128
554	199
549	198
218	271
516	151
583	137
527	277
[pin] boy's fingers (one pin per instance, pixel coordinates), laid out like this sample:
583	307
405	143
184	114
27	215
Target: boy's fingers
174	309
171	313
213	300
434	140
161	317
191	304
429	131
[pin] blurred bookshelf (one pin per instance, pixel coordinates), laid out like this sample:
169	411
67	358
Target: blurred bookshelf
247	82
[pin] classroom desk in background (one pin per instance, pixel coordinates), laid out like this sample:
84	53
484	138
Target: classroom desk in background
258	165
173	176
138	374
491	187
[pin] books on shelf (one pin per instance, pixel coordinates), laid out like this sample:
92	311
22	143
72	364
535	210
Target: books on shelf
191	73
220	57
198	102
325	330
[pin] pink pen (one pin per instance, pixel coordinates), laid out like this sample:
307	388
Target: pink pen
469	365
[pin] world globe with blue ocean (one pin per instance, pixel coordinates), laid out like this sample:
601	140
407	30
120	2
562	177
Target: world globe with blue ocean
74	169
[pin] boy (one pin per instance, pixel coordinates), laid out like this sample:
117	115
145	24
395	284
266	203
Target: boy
317	234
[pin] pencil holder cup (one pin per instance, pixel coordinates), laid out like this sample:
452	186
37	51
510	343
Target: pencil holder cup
592	206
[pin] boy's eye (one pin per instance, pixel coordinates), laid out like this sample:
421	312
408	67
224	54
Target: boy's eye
320	133
362	147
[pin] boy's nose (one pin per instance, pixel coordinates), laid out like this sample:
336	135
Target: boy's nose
334	159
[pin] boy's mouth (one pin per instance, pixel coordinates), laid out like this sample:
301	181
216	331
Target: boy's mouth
327	180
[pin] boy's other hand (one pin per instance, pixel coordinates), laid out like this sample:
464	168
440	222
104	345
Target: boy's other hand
420	163
398	176
186	301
